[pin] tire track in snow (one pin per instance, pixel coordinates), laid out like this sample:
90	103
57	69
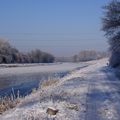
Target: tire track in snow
91	109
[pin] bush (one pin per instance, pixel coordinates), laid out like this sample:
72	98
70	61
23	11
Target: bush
111	27
115	60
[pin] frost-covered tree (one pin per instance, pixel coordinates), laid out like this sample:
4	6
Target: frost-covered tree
111	26
87	55
37	56
5	52
9	54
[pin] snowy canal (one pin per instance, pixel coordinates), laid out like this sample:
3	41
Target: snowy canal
25	78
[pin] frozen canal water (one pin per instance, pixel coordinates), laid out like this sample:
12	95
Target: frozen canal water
25	78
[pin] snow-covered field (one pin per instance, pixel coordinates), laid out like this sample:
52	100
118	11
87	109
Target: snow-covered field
91	93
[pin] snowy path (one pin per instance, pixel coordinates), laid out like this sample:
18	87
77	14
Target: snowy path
103	97
92	93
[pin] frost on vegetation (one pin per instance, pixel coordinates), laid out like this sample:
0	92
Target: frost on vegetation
48	83
68	96
39	112
108	111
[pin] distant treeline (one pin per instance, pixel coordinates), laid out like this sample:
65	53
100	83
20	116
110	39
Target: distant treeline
84	55
9	54
87	55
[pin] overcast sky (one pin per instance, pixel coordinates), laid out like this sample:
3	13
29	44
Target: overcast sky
61	27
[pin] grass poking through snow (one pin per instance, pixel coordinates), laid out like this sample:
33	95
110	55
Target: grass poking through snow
7	103
47	83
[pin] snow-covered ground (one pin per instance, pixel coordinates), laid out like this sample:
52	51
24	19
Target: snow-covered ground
91	93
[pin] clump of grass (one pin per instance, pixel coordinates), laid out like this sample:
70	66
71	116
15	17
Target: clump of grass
47	83
34	90
7	103
72	107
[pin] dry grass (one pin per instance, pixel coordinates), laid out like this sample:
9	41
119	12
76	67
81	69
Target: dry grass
72	107
34	90
47	83
6	103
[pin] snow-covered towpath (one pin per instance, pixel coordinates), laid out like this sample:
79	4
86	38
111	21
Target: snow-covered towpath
92	93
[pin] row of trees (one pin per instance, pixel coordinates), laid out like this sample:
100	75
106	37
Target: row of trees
111	27
9	54
84	55
87	55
